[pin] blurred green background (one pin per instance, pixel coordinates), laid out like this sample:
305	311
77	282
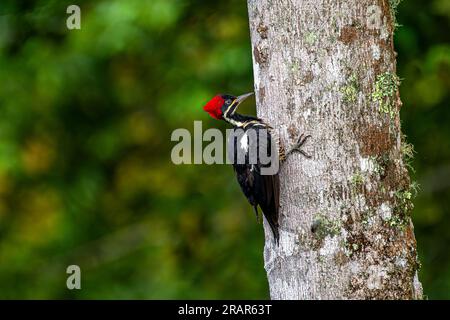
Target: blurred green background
85	172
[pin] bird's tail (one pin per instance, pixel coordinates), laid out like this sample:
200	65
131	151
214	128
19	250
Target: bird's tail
274	226
276	234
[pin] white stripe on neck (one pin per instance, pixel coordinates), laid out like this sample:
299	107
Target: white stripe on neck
232	121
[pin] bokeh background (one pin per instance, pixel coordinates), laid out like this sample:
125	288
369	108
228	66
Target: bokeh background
85	172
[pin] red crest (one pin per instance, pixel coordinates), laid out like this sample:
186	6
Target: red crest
214	107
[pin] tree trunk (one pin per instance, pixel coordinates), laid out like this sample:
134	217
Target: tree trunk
327	68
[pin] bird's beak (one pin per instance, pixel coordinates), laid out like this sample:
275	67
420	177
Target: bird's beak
238	101
241	98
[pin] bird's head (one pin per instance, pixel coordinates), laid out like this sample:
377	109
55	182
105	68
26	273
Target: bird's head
223	106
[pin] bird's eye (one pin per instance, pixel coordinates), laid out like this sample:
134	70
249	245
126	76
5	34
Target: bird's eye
228	101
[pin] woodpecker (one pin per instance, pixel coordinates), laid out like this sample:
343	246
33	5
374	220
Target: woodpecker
261	190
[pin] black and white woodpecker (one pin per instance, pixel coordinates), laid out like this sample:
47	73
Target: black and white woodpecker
261	189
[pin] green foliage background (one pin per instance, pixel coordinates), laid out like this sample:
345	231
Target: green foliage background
85	171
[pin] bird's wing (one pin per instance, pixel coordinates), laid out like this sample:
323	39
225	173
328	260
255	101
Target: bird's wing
267	186
267	196
260	189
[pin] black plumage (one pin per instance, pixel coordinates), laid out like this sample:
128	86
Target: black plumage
244	147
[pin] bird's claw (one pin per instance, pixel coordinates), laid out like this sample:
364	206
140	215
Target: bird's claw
300	142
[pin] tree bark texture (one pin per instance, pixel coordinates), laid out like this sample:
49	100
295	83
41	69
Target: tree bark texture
327	68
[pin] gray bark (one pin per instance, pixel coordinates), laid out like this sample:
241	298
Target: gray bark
327	68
